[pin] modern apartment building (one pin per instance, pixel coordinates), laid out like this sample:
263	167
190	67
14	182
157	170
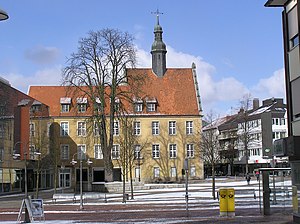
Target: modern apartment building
247	137
166	120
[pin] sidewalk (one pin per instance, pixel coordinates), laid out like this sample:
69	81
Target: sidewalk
159	205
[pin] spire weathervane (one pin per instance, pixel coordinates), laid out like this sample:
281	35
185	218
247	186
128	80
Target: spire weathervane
157	12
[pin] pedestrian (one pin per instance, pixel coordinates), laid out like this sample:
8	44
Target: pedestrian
248	178
257	175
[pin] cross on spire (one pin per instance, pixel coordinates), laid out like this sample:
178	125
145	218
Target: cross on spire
157	12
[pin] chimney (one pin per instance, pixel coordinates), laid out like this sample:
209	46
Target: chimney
255	103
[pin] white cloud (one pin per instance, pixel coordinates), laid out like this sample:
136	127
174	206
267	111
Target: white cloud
48	76
213	92
42	54
273	86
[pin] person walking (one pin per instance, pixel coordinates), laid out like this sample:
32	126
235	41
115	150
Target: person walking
248	178
257	175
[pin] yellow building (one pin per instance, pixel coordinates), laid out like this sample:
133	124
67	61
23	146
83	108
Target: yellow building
165	127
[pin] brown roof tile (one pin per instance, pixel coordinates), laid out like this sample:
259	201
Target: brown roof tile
175	92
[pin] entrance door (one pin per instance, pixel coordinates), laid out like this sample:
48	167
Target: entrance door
64	178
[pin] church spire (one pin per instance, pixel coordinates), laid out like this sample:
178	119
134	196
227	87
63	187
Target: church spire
158	49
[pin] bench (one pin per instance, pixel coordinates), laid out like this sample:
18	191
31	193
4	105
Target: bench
64	196
93	196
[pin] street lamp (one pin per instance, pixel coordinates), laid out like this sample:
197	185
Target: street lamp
3	15
74	162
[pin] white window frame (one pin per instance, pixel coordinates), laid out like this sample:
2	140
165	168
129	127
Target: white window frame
155	151
64	130
65	108
98	151
193	171
81	151
96	129
81	107
151	107
64	152
138	107
115	151
32	129
81	128
137	128
156	172
116	128
172	127
173	172
155	127
137	151
173	151
189	127
190	150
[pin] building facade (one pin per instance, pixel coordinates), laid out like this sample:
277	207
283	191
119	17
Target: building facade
16	147
165	121
247	137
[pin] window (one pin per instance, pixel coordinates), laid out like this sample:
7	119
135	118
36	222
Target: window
98	105
155	128
156	172
64	128
137	152
150	107
64	152
32	152
65	108
49	128
136	128
173	172
96	129
81	128
155	151
115	152
98	152
81	150
193	171
190	151
189	127
138	107
81	104
65	103
173	151
172	127
32	129
116	128
81	108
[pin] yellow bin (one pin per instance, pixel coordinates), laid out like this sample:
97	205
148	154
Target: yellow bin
230	202
223	201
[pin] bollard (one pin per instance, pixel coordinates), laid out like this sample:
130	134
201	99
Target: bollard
230	202
223	201
295	199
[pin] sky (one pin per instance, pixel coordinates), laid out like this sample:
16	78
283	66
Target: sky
236	45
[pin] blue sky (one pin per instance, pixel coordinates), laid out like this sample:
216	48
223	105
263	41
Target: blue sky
236	45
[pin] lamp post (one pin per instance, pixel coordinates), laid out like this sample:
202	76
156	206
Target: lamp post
74	162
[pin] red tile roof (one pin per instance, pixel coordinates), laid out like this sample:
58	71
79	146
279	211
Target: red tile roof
175	93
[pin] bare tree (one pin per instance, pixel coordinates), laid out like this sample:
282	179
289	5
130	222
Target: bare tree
245	131
97	71
210	149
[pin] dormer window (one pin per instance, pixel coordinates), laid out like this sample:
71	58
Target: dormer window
97	106
65	103
138	105
36	106
117	104
81	104
151	104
